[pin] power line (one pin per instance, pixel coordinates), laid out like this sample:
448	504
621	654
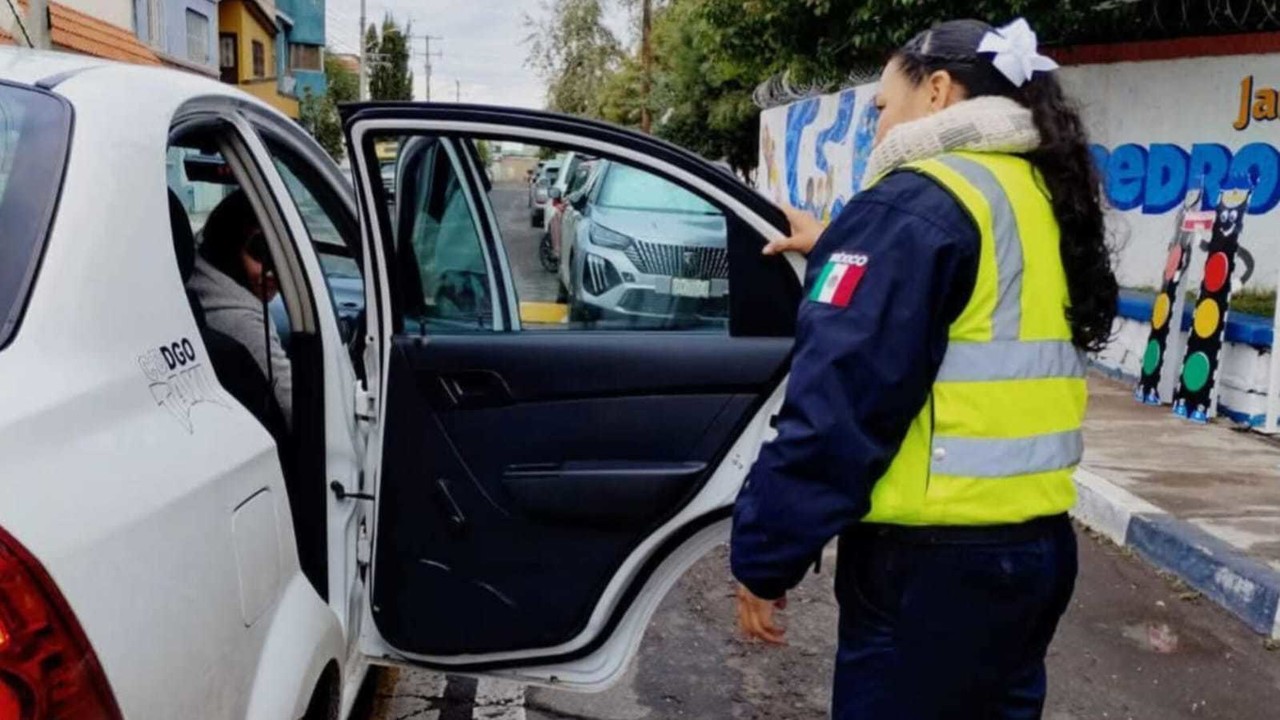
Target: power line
21	25
427	56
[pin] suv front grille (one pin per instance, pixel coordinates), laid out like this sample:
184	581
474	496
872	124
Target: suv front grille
703	263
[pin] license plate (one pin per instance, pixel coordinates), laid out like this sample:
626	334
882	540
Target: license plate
685	287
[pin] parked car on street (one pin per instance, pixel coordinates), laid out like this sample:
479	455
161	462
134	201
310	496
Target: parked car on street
166	552
540	190
636	245
569	183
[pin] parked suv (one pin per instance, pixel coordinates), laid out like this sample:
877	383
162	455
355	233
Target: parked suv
639	246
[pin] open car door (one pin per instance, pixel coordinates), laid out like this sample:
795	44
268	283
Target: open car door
541	479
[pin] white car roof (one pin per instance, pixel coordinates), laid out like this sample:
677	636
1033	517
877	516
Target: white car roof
24	65
79	77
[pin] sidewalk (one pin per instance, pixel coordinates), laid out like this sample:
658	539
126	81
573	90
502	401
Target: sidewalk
1200	501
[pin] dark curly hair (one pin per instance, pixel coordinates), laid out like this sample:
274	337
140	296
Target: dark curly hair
1063	160
229	228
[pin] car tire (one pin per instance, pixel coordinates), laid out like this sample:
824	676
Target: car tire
325	702
583	313
547	254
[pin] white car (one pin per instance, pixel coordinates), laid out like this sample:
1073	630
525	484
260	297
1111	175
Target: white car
441	501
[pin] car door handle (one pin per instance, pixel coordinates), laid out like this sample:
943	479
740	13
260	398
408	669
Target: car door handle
475	389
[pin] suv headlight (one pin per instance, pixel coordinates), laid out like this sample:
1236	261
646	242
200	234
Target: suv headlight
604	237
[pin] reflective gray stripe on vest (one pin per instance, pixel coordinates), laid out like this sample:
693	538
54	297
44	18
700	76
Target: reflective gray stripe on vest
1006	321
1011	360
1005	457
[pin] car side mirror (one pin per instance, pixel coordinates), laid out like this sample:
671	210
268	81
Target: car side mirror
556	193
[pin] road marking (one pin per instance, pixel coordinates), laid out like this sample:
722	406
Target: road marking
498	700
543	312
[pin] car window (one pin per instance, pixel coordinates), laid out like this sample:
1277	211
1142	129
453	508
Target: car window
200	178
323	216
627	188
641	254
34	131
441	262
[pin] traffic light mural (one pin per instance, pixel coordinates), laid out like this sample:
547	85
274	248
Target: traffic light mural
1165	312
1194	397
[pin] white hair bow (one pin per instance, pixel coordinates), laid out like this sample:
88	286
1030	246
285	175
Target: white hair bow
1017	57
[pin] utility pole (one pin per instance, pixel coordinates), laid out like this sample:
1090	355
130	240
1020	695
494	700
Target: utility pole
38	23
429	55
646	63
363	93
457	91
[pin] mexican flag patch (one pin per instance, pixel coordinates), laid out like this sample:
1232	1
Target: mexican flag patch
839	279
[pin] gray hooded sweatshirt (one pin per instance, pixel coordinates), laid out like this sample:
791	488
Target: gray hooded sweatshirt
237	313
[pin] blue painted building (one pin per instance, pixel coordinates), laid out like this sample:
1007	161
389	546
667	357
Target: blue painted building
300	47
183	33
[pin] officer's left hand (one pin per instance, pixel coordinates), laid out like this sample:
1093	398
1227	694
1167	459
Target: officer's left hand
755	616
805	231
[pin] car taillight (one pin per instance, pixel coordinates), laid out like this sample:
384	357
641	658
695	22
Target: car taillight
47	667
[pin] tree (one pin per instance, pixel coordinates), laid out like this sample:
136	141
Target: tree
388	53
485	151
575	53
319	113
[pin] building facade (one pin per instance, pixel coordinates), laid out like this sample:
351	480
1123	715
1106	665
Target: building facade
101	28
183	33
300	46
249	38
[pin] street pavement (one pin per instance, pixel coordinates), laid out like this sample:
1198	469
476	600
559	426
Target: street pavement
1135	644
511	204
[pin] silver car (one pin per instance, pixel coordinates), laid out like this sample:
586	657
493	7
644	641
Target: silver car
642	247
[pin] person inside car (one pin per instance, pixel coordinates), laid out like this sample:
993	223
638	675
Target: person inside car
234	282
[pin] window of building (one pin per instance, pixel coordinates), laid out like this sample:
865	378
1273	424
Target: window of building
305	57
197	37
259	59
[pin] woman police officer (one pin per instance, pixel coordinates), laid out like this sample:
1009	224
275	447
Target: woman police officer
933	413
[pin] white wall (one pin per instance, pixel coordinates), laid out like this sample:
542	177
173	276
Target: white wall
1242	379
116	12
1191	105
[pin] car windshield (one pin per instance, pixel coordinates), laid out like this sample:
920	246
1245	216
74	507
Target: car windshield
34	129
627	188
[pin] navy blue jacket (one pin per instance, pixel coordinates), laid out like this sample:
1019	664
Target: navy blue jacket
859	375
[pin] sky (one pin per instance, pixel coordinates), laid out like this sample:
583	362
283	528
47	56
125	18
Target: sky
483	47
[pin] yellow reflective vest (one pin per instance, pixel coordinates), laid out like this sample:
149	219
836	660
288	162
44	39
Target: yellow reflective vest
999	437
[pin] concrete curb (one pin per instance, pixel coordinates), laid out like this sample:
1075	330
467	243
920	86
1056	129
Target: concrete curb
1245	587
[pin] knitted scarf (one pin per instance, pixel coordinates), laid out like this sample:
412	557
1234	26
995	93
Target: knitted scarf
985	124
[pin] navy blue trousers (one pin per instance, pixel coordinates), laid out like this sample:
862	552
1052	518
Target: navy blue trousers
949	627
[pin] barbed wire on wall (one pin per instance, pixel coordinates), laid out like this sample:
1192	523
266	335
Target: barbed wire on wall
781	89
1121	20
1220	15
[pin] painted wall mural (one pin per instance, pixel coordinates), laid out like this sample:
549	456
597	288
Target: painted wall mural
1163	128
1167	308
813	152
1159	129
1194	397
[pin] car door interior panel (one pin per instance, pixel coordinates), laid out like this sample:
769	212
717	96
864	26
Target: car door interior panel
502	520
524	461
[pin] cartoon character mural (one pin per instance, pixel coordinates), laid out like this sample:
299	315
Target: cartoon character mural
809	150
864	138
769	161
1194	397
1167	308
